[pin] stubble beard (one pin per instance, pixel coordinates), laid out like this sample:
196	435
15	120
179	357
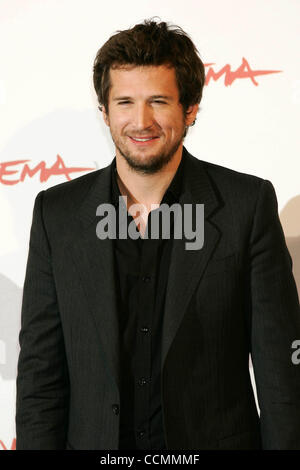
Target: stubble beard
154	163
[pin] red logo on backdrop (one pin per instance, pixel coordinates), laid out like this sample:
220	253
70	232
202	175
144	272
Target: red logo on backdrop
12	447
22	170
243	71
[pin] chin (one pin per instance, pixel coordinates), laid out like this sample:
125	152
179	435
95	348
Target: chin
150	165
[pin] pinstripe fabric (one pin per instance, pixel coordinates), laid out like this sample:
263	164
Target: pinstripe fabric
234	297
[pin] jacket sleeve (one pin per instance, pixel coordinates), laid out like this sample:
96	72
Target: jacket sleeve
275	318
42	388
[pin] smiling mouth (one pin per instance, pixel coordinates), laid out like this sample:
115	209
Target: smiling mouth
143	140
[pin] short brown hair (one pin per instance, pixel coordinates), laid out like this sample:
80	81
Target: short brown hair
152	43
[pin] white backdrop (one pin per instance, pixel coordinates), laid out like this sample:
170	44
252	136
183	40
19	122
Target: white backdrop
248	121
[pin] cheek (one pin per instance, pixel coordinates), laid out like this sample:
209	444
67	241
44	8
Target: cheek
175	127
172	122
118	124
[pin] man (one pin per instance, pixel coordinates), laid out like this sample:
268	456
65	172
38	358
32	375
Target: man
139	342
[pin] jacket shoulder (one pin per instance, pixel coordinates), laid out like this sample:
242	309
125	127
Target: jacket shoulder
238	190
229	176
68	196
76	185
235	191
61	203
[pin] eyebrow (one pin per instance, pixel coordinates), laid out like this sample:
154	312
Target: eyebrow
164	97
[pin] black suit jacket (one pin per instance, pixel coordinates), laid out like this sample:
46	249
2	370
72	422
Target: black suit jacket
235	296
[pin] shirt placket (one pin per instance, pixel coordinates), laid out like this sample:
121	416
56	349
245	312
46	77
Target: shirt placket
145	305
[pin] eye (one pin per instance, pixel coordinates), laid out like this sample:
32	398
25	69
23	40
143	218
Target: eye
124	102
159	102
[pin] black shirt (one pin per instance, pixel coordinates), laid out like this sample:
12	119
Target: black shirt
142	273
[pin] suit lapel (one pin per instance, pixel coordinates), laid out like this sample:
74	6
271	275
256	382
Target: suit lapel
94	259
187	266
95	264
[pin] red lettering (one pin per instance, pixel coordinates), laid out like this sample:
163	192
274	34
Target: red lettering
244	71
13	445
4	172
3	445
58	168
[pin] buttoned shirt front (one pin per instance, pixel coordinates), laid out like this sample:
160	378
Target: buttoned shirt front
141	267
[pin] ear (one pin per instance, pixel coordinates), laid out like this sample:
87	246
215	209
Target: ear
191	114
105	116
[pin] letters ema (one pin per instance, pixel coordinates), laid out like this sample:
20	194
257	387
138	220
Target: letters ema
58	168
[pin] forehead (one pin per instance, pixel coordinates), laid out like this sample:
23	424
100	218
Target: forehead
150	79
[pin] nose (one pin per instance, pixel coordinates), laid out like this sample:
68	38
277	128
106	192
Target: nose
143	116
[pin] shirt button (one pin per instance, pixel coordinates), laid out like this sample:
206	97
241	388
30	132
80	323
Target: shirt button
115	409
146	278
141	434
144	329
142	381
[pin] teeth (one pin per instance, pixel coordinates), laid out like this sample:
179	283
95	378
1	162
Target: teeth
142	140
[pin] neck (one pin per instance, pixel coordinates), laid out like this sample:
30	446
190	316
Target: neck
146	189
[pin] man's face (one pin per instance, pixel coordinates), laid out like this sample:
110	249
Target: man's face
145	117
